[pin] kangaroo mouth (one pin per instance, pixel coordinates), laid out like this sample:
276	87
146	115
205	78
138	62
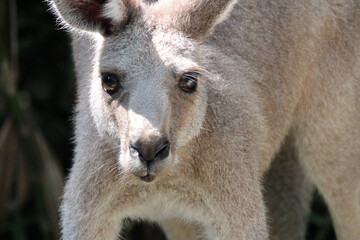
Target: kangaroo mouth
146	174
147	171
148	177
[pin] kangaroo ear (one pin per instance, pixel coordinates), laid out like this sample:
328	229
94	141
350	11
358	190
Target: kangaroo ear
91	15
196	18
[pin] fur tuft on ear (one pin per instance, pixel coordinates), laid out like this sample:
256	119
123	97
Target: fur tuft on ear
91	15
195	18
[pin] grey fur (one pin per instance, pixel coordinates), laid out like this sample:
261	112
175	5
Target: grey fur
276	76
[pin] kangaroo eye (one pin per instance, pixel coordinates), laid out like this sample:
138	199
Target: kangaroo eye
188	81
110	82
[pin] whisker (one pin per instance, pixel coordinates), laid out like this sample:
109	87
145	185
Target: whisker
108	162
109	154
111	149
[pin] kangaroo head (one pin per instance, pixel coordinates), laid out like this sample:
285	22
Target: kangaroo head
148	93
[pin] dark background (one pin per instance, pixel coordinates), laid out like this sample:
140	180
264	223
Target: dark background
41	70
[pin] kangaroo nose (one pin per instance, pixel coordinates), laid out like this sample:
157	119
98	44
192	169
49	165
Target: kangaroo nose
150	150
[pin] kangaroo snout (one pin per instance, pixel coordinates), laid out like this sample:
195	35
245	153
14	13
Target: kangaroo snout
149	150
149	153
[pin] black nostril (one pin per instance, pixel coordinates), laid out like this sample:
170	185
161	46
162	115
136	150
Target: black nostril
150	150
163	150
135	151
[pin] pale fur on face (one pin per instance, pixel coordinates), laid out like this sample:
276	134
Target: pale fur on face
114	10
153	102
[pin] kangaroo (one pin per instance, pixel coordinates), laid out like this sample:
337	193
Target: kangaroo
184	106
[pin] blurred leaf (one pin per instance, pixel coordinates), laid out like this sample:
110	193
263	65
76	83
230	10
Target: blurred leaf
27	165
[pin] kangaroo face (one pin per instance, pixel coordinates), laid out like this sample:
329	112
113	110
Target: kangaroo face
149	97
148	90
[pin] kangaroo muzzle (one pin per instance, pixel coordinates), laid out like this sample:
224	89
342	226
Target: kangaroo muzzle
148	143
148	150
